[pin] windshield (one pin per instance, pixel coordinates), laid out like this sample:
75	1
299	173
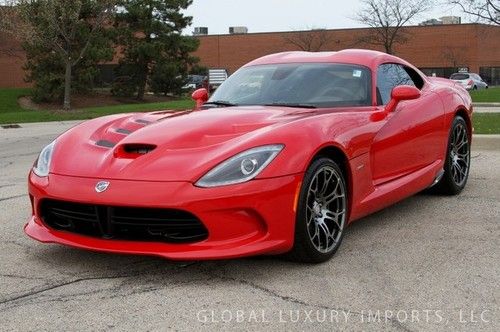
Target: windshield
459	77
297	85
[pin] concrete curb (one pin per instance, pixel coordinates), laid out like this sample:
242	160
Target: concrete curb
483	110
486	105
45	124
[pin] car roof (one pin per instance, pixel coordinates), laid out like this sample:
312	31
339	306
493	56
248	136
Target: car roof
366	58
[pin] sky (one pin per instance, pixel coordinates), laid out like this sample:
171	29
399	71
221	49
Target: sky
283	15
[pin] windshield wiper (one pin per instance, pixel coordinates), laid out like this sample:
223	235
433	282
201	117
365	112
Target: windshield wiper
291	105
222	103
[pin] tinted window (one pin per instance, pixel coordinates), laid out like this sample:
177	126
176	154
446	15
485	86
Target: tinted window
418	81
388	77
459	76
315	84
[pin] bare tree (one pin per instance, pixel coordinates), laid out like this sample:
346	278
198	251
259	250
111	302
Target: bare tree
483	10
56	25
387	19
314	40
4	45
455	56
8	47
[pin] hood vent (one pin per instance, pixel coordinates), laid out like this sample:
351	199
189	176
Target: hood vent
142	121
123	131
105	143
132	151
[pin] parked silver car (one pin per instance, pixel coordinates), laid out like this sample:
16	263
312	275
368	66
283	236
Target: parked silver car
469	81
194	82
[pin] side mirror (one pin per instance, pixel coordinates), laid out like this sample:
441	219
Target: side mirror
400	93
200	96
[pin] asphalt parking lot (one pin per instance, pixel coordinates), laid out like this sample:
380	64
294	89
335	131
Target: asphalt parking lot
427	263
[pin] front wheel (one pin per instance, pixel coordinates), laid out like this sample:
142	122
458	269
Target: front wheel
321	214
457	165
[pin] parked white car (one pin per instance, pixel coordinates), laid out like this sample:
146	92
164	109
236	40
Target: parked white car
469	81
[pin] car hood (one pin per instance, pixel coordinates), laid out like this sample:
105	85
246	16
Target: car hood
165	146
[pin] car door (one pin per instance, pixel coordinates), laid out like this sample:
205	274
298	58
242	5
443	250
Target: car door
413	135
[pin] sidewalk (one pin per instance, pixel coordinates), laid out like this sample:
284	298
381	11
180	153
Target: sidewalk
486	142
487	107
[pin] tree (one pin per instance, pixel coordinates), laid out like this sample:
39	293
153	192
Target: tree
7	45
167	77
149	32
387	19
46	70
198	70
454	55
59	34
314	40
483	10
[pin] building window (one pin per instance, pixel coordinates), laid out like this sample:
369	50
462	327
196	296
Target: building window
490	75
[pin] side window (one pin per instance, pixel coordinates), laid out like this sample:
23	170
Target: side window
404	76
417	80
387	79
391	75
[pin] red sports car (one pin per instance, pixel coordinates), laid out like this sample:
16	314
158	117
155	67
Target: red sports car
284	155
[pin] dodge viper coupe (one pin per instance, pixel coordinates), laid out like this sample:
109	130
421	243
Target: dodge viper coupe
279	160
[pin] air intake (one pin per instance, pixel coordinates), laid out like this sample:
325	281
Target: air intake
132	151
123	223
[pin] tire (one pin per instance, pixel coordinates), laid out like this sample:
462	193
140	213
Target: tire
457	164
474	88
326	208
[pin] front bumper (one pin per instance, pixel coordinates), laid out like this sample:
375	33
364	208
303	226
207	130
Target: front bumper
253	218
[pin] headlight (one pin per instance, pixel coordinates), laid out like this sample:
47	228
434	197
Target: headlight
42	164
241	168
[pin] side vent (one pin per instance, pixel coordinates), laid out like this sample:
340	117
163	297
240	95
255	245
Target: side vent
132	151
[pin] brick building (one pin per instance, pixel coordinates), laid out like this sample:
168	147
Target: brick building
439	49
11	63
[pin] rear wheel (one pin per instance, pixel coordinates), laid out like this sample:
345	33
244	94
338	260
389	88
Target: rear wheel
321	214
457	165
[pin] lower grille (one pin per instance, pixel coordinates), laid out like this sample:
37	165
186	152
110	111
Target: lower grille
123	223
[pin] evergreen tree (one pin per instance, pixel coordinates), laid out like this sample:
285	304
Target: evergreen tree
47	71
154	51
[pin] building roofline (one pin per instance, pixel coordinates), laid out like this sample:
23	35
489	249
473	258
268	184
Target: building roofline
345	29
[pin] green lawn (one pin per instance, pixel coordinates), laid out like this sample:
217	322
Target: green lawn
11	112
491	95
486	123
